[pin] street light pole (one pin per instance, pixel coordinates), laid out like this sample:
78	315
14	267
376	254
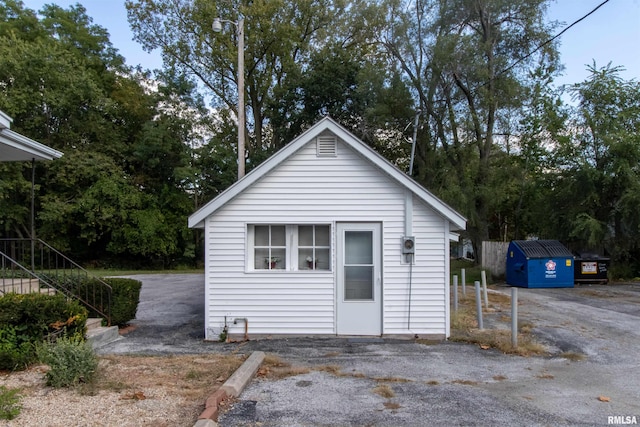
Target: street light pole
217	27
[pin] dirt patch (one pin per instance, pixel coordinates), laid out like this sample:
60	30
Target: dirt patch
129	391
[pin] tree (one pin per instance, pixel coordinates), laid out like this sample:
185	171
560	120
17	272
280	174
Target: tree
596	179
285	40
468	63
121	189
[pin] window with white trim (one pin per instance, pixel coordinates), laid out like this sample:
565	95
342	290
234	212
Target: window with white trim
314	247
289	247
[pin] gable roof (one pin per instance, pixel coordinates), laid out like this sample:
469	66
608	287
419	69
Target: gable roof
15	147
458	222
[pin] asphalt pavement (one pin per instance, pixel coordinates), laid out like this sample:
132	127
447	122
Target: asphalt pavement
383	382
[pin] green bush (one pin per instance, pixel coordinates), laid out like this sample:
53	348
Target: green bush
9	403
125	296
16	348
28	319
72	362
124	300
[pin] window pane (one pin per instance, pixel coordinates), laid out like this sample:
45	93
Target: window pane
260	259
323	235
261	235
322	259
358	247
305	235
278	235
278	259
358	283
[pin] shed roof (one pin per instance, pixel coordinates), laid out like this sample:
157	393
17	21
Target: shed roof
457	221
543	248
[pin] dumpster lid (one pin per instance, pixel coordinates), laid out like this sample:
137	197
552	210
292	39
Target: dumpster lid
543	248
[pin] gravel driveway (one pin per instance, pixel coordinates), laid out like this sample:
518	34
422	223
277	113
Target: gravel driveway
443	384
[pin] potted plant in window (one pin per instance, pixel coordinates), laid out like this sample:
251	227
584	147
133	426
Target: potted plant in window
272	261
311	263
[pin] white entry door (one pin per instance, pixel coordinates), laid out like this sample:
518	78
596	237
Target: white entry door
359	305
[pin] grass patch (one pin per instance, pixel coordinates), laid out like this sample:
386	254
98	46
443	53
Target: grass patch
392	405
332	354
433	382
463	319
385	391
332	369
500	340
545	376
391	380
424	341
574	357
10	406
193	374
464	328
499	377
472	272
499	299
273	367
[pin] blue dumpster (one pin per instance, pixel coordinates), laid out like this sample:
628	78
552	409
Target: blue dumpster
539	264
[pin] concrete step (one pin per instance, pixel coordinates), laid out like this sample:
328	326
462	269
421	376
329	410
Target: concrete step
102	336
19	286
93	323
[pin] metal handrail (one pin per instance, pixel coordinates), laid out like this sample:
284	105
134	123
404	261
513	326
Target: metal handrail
57	271
13	266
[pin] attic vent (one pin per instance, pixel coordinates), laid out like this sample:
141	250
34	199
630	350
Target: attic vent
327	146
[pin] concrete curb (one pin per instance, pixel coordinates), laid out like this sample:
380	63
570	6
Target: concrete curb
233	387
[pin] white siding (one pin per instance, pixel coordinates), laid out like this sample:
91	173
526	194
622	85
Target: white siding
310	189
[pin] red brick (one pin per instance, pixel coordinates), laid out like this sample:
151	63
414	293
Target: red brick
216	398
210	413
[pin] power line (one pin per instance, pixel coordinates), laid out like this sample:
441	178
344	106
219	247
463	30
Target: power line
551	39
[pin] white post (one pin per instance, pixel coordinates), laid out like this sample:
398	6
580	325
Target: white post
464	281
514	316
483	275
455	292
478	304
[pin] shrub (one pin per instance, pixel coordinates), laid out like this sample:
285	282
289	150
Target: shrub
16	348
72	362
42	314
124	299
9	403
28	319
125	296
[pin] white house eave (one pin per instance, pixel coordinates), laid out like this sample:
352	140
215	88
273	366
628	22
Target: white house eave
5	120
16	147
458	222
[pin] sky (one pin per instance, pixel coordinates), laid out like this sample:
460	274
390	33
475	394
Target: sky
611	34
